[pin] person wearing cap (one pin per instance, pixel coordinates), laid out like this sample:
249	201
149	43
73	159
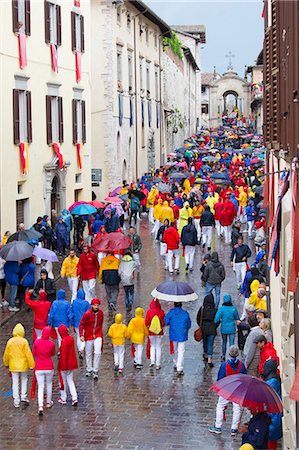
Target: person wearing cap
60	313
91	332
228	316
40	307
87	271
232	366
260	314
136	332
45	284
117	332
67	363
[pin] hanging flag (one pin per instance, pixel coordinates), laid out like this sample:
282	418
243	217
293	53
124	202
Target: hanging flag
22	50
77	3
24	157
149	110
121	109
142	112
266	184
271	201
78	66
158	114
79	158
131	112
54	58
57	150
294	269
263	11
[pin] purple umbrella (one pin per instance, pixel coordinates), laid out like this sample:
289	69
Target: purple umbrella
174	291
44	253
115	192
118	209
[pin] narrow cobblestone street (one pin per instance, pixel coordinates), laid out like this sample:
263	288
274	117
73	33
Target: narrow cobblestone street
139	410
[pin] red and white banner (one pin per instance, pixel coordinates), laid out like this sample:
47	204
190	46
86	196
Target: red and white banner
294	268
79	156
78	66
22	50
24	157
58	151
54	58
77	3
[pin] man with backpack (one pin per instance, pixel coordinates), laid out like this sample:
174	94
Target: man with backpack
230	367
154	320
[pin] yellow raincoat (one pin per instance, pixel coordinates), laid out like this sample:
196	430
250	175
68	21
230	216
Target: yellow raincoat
242	198
151	197
166	213
211	201
185	213
187	186
117	331
137	330
253	299
69	267
157	209
17	355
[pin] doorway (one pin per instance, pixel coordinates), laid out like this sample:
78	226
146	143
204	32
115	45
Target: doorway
230	102
55	194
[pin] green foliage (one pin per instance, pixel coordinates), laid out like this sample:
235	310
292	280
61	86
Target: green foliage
175	120
175	44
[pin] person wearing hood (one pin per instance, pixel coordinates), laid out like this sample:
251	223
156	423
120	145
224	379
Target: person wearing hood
213	276
267	352
189	240
136	332
250	283
218	207
197	211
40	307
258	298
18	358
240	253
69	271
242	199
112	221
45	284
43	351
67	218
67	363
185	213
134	208
256	432
97	224
228	317
154	320
150	203
207	222
179	323
12	273
228	215
251	350
211	200
126	271
79	307
87	271
27	273
109	276
60	313
250	216
61	235
157	214
271	377
205	319
136	246
171	238
166	213
232	366
91	332
117	332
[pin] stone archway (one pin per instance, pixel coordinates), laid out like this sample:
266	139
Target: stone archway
55	186
230	101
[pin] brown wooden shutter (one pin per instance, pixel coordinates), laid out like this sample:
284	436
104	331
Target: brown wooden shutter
15	16
47	22
60	120
83	121
73	28
29	117
58	24
75	123
27	18
49	118
16	117
82	34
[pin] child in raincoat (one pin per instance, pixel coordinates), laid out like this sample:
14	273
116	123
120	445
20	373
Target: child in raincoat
67	363
136	332
18	358
117	332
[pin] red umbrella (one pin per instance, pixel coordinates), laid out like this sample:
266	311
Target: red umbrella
249	392
76	204
97	204
113	200
111	242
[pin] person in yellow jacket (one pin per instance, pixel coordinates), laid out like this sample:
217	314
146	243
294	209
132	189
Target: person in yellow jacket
242	199
69	271
157	213
254	286
197	211
212	199
117	332
136	332
150	203
185	213
108	275
18	358
258	299
187	186
166	213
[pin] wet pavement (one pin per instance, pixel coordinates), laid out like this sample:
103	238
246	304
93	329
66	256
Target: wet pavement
140	409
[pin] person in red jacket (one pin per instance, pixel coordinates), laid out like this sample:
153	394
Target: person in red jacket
67	363
40	307
91	332
155	337
87	270
171	238
267	351
228	214
43	351
217	216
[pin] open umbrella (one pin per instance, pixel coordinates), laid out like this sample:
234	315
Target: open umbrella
113	200
16	251
210	159
220	176
163	188
97	204
206	168
201	181
178	175
249	392
44	253
111	242
115	191
76	204
84	210
137	193
25	235
174	291
180	150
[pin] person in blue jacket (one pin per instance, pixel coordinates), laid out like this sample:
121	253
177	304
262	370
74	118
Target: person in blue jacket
96	226
12	272
272	378
256	433
228	318
179	323
26	278
67	218
60	313
250	216
134	208
62	236
79	307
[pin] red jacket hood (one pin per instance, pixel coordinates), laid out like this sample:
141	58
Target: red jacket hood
43	297
63	331
46	333
155	304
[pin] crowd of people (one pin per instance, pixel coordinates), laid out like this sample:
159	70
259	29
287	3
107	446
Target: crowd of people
210	189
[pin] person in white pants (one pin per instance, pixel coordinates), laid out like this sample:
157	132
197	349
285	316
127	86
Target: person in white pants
89	287
198	229
93	350
207	236
67	363
117	332
189	241
176	255
232	366
240	253
87	270
18	358
79	307
227	231
136	332
69	271
154	320
240	268
156	351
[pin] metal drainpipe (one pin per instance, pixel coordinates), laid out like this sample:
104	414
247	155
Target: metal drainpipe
136	103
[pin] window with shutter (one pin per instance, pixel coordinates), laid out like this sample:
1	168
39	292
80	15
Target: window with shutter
27	18
60	120
15	16
29	117
58	24
16	117
83	122
49	118
73	28
82	34
75	124
47	22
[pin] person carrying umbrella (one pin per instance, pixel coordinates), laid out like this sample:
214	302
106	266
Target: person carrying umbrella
171	238
230	367
87	271
69	271
109	276
12	272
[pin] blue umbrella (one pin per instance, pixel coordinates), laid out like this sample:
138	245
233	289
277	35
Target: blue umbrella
84	210
220	176
174	291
